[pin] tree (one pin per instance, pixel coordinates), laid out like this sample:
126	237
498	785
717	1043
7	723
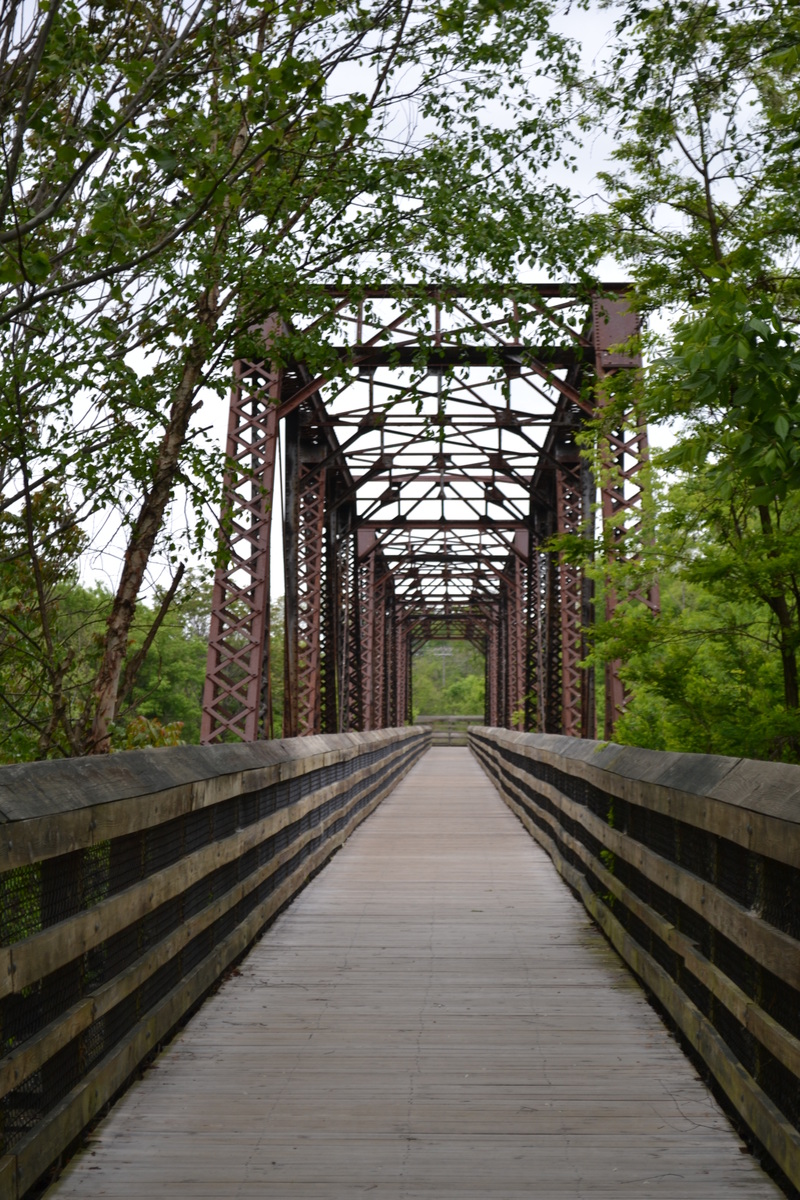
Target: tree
159	704
702	206
174	178
448	678
706	673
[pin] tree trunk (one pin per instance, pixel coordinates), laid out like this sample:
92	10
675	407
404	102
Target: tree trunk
786	638
140	546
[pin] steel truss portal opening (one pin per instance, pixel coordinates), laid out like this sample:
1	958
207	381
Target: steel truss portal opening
423	483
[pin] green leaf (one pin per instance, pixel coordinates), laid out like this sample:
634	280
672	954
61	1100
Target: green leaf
782	427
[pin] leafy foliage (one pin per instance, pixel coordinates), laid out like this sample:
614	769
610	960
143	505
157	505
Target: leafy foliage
706	673
448	679
175	177
705	100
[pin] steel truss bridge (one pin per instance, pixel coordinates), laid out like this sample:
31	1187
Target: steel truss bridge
420	485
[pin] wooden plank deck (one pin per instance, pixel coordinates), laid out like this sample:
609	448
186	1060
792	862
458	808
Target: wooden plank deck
434	1016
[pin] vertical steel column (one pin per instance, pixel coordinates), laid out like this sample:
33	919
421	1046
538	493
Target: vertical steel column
494	705
624	461
236	696
553	694
533	643
353	653
588	697
389	717
536	675
516	588
291	558
310	590
367	606
569	521
403	667
545	616
378	611
334	616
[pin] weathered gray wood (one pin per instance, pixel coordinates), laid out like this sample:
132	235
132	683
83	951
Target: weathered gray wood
768	946
435	1016
52	808
20	1063
49	949
772	1036
770	1126
755	804
20	1170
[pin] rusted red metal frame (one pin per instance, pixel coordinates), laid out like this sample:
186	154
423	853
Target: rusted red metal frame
534	632
570	520
310	593
236	698
625	459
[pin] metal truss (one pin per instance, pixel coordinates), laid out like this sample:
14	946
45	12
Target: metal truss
236	696
425	483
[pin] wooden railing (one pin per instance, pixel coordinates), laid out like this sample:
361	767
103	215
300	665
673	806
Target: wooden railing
130	884
691	866
448	729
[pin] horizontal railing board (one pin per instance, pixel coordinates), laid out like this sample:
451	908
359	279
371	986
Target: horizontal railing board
53	947
769	946
753	1105
83	815
769	792
82	1105
742	784
31	1054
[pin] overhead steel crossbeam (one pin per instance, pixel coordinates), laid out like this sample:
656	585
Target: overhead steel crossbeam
424	482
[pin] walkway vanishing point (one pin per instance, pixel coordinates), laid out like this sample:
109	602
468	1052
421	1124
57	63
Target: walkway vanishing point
433	1016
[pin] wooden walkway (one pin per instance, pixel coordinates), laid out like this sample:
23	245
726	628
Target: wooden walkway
434	1016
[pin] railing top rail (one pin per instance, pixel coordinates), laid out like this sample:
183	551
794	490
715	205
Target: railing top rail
446	717
50	808
770	789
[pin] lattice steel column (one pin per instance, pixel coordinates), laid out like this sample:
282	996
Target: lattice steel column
236	697
368	616
291	561
588	696
310	587
569	517
333	623
494	704
353	650
389	676
545	618
402	667
533	643
379	649
624	462
516	589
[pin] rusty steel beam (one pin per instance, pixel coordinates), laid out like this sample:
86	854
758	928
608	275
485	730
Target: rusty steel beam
569	522
389	536
291	565
236	695
506	353
310	592
624	463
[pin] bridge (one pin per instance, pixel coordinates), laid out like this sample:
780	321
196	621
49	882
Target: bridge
197	998
419	487
200	997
